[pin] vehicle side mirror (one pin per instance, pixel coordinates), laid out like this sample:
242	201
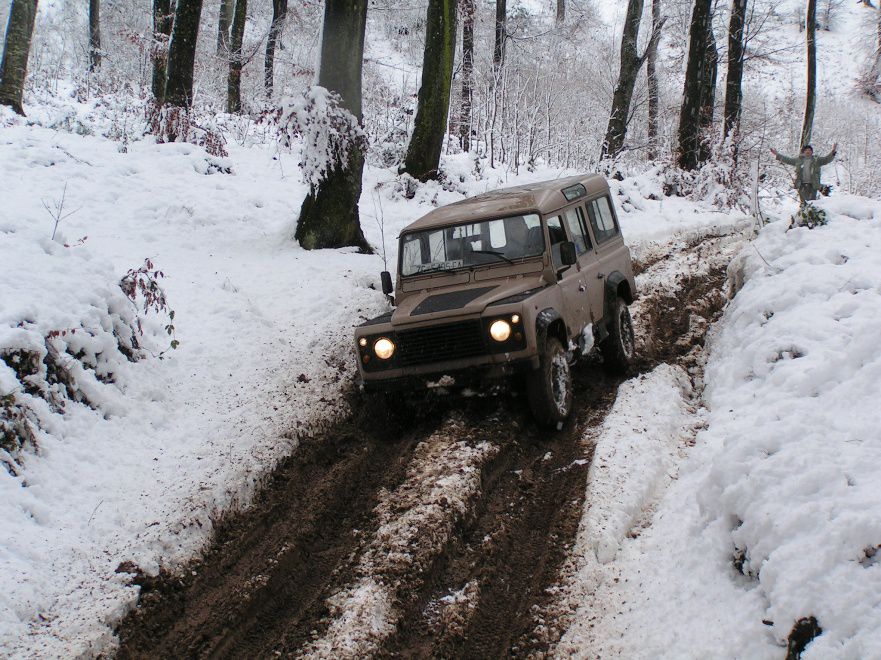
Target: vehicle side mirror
386	279
567	253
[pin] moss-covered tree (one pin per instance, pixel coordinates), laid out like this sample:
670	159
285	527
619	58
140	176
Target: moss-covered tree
236	60
14	67
163	17
426	143
182	54
329	215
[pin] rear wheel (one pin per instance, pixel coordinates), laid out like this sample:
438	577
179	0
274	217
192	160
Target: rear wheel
549	388
619	347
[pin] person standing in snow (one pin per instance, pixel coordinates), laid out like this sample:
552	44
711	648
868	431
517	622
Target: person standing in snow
807	170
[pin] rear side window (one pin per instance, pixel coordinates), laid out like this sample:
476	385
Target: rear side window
557	236
602	220
576	231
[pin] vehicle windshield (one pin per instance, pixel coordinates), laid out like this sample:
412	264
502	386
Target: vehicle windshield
504	240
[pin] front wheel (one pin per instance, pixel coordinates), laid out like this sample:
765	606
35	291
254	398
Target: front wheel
619	347
549	388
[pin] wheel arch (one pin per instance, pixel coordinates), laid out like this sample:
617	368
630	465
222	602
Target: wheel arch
550	323
617	286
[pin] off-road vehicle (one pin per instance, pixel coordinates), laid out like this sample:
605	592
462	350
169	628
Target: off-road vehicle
515	281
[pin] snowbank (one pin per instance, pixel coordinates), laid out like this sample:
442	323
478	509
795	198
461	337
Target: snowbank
774	516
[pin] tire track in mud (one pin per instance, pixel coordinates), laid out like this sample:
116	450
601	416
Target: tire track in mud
355	549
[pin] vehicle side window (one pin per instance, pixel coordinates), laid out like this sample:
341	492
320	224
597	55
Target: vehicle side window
602	220
557	236
576	231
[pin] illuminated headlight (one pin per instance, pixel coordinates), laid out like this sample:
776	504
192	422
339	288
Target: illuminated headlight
384	348
362	342
500	330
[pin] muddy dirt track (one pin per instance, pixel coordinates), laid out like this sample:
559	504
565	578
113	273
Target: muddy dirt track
436	536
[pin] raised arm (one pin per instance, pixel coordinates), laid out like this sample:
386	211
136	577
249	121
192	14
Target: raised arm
784	159
828	158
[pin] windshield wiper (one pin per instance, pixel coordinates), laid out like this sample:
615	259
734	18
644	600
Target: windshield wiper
495	253
434	269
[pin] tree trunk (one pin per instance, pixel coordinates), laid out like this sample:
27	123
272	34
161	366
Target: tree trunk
692	95
468	11
279	13
182	54
94	34
430	125
734	78
652	84
708	95
14	67
501	35
616	130
224	21
810	99
561	12
234	80
329	215
162	21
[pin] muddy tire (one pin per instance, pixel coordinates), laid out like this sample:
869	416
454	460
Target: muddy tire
619	347
549	388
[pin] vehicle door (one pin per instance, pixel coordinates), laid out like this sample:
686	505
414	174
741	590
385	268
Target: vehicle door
591	277
576	306
610	248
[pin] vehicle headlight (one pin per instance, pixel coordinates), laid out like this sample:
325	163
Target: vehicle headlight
500	330
384	348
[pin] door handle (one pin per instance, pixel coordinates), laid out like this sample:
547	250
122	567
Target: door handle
581	287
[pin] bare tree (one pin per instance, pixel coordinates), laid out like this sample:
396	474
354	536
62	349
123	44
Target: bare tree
94	34
651	72
468	11
734	78
162	21
631	62
708	94
870	82
236	60
423	153
224	21
501	35
279	13
329	215
182	54
811	92
561	12
14	67
695	86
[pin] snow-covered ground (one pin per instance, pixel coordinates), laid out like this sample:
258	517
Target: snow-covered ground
772	517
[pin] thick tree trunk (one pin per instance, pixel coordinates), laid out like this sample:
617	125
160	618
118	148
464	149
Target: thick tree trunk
810	98
14	67
279	13
468	11
182	54
430	125
561	12
692	95
224	21
234	80
501	35
734	78
651	72
94	34
631	62
162	21
708	95
329	215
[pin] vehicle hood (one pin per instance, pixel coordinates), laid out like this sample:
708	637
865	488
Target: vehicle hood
457	301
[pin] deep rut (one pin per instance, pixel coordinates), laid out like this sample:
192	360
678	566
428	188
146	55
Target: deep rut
477	590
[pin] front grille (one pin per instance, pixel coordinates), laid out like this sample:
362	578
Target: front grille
440	342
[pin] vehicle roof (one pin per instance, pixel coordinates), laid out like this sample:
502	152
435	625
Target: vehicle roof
541	196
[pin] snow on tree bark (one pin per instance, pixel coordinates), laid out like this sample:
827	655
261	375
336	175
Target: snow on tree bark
734	77
708	95
224	22
279	13
468	11
811	92
14	67
426	143
162	21
501	35
94	34
688	156
652	84
329	215
234	80
182	54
